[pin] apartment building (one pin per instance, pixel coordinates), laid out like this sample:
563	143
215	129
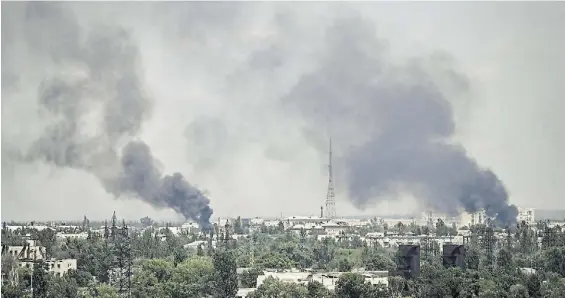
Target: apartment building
56	267
527	215
28	251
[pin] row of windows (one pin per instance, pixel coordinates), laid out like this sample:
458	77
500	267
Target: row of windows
51	265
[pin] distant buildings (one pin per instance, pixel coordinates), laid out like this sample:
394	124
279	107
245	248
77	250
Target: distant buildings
480	217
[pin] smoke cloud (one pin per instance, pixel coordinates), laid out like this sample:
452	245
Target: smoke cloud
242	97
399	122
94	103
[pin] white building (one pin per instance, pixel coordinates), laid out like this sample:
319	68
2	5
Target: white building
30	251
328	279
190	227
305	219
256	221
56	267
34	227
395	241
64	236
335	228
527	215
480	217
476	218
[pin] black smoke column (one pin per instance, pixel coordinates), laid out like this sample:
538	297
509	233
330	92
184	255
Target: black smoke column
396	124
142	178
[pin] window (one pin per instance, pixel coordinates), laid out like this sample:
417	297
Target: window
59	266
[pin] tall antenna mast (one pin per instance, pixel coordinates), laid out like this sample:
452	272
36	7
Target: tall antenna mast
330	197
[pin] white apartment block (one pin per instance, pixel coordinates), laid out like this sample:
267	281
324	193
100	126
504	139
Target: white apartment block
395	241
527	215
471	219
56	267
27	252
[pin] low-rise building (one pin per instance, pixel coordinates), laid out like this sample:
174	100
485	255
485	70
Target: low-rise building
394	241
64	236
29	251
335	228
56	267
328	279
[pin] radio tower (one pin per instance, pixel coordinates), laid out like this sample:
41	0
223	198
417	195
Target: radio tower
330	197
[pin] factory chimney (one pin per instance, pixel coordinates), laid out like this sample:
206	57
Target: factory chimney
321	211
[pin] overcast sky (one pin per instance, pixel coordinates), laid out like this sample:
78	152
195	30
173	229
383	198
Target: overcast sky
221	79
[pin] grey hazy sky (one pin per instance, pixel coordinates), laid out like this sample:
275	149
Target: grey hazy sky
217	73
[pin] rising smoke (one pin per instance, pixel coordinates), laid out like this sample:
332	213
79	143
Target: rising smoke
94	103
394	119
400	123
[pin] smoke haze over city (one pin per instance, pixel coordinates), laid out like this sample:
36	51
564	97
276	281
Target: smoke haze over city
438	106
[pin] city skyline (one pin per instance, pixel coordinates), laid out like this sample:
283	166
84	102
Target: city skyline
245	146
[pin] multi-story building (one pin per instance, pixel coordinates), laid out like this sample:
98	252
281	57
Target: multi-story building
56	267
477	218
28	251
527	215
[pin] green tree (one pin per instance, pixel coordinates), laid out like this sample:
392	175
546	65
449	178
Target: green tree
378	261
200	251
274	288
504	259
248	278
47	238
62	287
225	280
160	268
489	289
82	278
9	263
397	285
317	290
40	280
13	290
441	228
146	285
554	287
146	222
518	291
102	291
350	285
473	258
533	283
192	278
344	265
238	226
553	260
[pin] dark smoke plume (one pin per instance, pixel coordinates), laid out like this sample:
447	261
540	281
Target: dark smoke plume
400	124
142	177
93	104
